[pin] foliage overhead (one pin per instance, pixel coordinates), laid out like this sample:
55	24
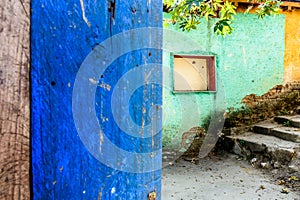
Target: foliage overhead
188	13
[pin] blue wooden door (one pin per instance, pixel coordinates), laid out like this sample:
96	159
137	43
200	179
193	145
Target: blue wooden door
96	96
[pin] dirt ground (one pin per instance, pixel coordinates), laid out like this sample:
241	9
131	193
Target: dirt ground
221	177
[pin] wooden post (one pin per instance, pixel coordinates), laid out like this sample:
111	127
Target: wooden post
14	99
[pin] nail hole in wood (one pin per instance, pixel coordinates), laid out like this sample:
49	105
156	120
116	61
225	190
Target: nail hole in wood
133	10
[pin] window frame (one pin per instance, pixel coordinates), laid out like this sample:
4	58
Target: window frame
211	71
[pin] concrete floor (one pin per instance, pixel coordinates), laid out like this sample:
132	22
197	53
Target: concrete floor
221	177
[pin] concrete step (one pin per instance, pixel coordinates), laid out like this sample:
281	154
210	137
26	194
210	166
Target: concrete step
265	127
282	119
270	147
279	130
289	120
287	133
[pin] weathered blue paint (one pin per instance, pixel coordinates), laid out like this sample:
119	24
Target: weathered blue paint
63	33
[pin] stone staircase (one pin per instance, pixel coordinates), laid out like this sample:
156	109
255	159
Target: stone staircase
273	143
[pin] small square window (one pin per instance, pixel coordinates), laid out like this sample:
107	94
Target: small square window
194	73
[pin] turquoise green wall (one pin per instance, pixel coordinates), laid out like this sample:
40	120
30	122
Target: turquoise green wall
251	60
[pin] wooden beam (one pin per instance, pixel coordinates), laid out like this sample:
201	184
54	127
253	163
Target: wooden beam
284	3
14	99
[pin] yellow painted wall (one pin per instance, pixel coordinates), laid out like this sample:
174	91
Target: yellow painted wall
292	46
292	41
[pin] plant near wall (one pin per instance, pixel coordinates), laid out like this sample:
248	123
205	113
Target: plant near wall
189	13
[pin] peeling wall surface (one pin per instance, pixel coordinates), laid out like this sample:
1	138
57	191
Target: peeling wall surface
292	43
63	33
251	60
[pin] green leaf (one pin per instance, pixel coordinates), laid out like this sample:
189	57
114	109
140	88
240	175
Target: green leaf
188	13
